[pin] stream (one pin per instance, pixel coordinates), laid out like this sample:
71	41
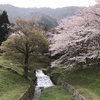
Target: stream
43	81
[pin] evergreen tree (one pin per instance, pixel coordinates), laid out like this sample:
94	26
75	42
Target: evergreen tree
3	26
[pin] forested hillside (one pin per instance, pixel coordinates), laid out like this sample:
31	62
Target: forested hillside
58	13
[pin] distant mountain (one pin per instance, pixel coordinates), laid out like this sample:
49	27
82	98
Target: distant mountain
58	13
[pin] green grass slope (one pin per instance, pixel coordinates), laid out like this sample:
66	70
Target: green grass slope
12	85
55	93
6	63
86	81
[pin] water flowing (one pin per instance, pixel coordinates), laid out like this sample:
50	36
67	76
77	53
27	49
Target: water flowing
43	81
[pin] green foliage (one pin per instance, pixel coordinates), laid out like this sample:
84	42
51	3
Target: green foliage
27	45
4	18
4	31
55	93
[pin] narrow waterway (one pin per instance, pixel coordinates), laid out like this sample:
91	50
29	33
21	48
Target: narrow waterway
43	81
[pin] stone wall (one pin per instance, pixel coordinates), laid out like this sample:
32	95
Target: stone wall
72	90
28	94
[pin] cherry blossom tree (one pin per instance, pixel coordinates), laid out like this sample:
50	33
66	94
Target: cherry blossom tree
78	40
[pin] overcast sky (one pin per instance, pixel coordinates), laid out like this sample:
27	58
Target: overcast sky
48	3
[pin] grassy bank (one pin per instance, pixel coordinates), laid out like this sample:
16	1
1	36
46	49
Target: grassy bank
6	63
86	81
55	93
12	85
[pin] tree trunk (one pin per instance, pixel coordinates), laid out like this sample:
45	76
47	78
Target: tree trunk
26	65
